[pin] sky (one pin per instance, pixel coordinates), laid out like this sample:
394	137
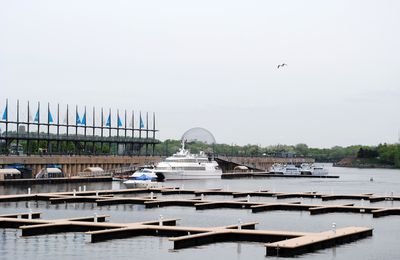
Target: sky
213	64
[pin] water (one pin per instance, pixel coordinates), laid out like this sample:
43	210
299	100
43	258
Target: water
382	245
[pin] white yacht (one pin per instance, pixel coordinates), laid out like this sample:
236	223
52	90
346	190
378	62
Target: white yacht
311	169
277	168
289	169
184	165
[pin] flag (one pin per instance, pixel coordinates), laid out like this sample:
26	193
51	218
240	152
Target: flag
78	119
49	117
36	116
83	122
108	123
141	122
119	122
5	114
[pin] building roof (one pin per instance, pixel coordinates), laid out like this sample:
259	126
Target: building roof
241	167
53	170
93	169
9	171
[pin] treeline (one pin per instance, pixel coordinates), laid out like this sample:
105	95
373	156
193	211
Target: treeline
388	154
382	154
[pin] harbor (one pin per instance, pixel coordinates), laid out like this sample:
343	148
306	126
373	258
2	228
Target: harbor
193	210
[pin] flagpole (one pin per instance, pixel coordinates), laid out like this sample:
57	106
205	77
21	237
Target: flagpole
125	134
84	127
6	112
101	128
133	130
76	129
67	124
117	124
147	132
109	132
28	140
17	127
94	122
38	125
58	128
133	124
48	128
154	130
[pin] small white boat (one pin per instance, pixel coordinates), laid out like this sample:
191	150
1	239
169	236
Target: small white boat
277	168
311	169
144	178
291	169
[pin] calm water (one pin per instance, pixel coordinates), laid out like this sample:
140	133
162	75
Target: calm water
384	244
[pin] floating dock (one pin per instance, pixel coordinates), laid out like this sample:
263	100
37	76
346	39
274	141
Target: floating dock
109	197
279	243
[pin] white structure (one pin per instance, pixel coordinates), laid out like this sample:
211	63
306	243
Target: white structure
50	173
311	169
9	173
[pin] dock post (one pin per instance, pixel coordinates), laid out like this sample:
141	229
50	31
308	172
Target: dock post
95	217
74	190
239	224
30	214
97	193
84	187
334	227
79	188
29	191
151	195
248	197
202	196
362	205
160	222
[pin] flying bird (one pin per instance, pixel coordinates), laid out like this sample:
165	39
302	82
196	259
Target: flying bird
282	65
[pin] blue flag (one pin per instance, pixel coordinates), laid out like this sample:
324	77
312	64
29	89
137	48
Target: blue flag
141	122
36	116
49	117
84	119
5	113
108	121
119	122
78	119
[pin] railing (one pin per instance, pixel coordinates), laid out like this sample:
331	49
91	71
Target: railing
82	138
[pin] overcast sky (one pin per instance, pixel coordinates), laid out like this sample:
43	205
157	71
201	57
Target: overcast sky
213	64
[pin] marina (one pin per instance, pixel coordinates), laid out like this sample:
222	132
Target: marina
244	201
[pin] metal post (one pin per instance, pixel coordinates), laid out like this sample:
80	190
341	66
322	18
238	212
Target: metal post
17	151
38	125
147	132
58	130
94	130
154	132
28	130
101	130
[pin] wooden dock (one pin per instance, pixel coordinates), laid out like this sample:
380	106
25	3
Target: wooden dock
280	243
200	202
316	241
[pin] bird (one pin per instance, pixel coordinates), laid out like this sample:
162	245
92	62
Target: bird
282	65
